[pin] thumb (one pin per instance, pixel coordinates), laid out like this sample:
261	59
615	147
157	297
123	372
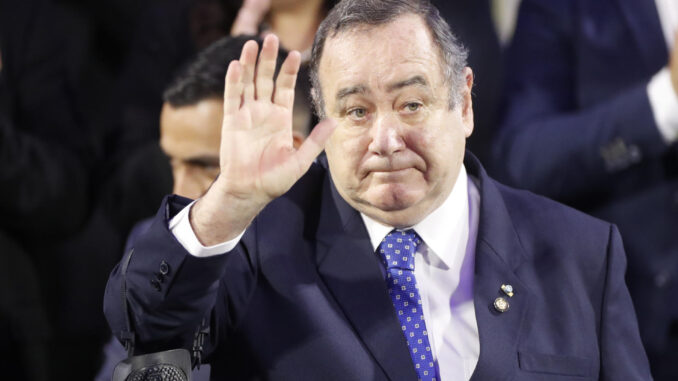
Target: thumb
315	143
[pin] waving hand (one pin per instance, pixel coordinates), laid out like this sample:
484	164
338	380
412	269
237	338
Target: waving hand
257	159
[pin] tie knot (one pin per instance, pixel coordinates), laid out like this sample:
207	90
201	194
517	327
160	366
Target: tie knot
397	249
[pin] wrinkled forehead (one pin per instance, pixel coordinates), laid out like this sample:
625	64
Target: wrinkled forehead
372	54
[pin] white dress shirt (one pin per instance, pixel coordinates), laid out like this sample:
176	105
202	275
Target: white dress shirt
444	267
663	97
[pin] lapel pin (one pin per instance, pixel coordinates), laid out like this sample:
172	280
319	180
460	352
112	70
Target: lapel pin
501	304
508	290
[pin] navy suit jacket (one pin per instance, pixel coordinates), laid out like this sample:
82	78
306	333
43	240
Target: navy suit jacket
302	296
579	129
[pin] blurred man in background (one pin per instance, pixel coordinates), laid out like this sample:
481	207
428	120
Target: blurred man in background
592	121
190	136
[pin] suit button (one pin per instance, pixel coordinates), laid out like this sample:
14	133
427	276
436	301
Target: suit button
155	284
164	268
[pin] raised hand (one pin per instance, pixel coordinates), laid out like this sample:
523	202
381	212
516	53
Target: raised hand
257	159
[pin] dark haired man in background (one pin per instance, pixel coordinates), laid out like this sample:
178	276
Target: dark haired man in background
596	127
396	257
190	130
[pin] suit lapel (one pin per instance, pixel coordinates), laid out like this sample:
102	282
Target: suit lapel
498	256
351	272
643	20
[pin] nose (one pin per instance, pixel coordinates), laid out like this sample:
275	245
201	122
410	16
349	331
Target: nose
387	136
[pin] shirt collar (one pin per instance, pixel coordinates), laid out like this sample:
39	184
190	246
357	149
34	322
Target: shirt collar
445	231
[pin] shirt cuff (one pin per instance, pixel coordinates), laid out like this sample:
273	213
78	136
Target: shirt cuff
180	226
664	104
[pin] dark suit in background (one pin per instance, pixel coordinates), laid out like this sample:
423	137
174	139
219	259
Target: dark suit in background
579	128
44	183
42	140
471	21
303	295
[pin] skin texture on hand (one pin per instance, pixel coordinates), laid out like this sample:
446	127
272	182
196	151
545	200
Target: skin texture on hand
250	15
258	161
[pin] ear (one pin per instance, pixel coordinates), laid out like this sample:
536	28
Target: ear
467	102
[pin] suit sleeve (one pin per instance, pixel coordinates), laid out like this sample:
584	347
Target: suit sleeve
622	354
170	291
550	144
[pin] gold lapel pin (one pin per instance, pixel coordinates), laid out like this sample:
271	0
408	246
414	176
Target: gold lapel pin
508	290
501	304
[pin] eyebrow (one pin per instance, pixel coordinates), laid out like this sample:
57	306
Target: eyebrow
347	91
416	80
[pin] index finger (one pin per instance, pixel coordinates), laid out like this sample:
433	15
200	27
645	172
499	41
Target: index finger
233	88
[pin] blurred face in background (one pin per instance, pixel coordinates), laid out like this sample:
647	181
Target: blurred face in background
190	136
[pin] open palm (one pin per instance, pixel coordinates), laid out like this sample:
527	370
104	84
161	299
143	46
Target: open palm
257	159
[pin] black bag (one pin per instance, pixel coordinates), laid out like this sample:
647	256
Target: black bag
170	365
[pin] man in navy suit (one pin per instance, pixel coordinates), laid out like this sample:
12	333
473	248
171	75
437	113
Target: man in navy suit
396	258
592	121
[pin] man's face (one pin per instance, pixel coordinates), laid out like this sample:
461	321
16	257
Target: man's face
398	147
190	136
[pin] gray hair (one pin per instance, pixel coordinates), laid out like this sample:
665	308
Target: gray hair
355	13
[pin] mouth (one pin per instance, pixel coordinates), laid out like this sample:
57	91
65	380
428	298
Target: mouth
389	175
391	171
393	168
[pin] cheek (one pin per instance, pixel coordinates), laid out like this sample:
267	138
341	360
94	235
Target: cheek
419	141
345	152
205	177
193	181
438	147
423	143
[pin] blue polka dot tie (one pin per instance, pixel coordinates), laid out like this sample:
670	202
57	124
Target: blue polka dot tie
397	253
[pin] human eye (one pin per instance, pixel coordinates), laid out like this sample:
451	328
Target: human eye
206	164
211	167
412	107
357	113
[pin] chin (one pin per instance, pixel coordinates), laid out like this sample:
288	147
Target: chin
393	197
399	210
396	209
